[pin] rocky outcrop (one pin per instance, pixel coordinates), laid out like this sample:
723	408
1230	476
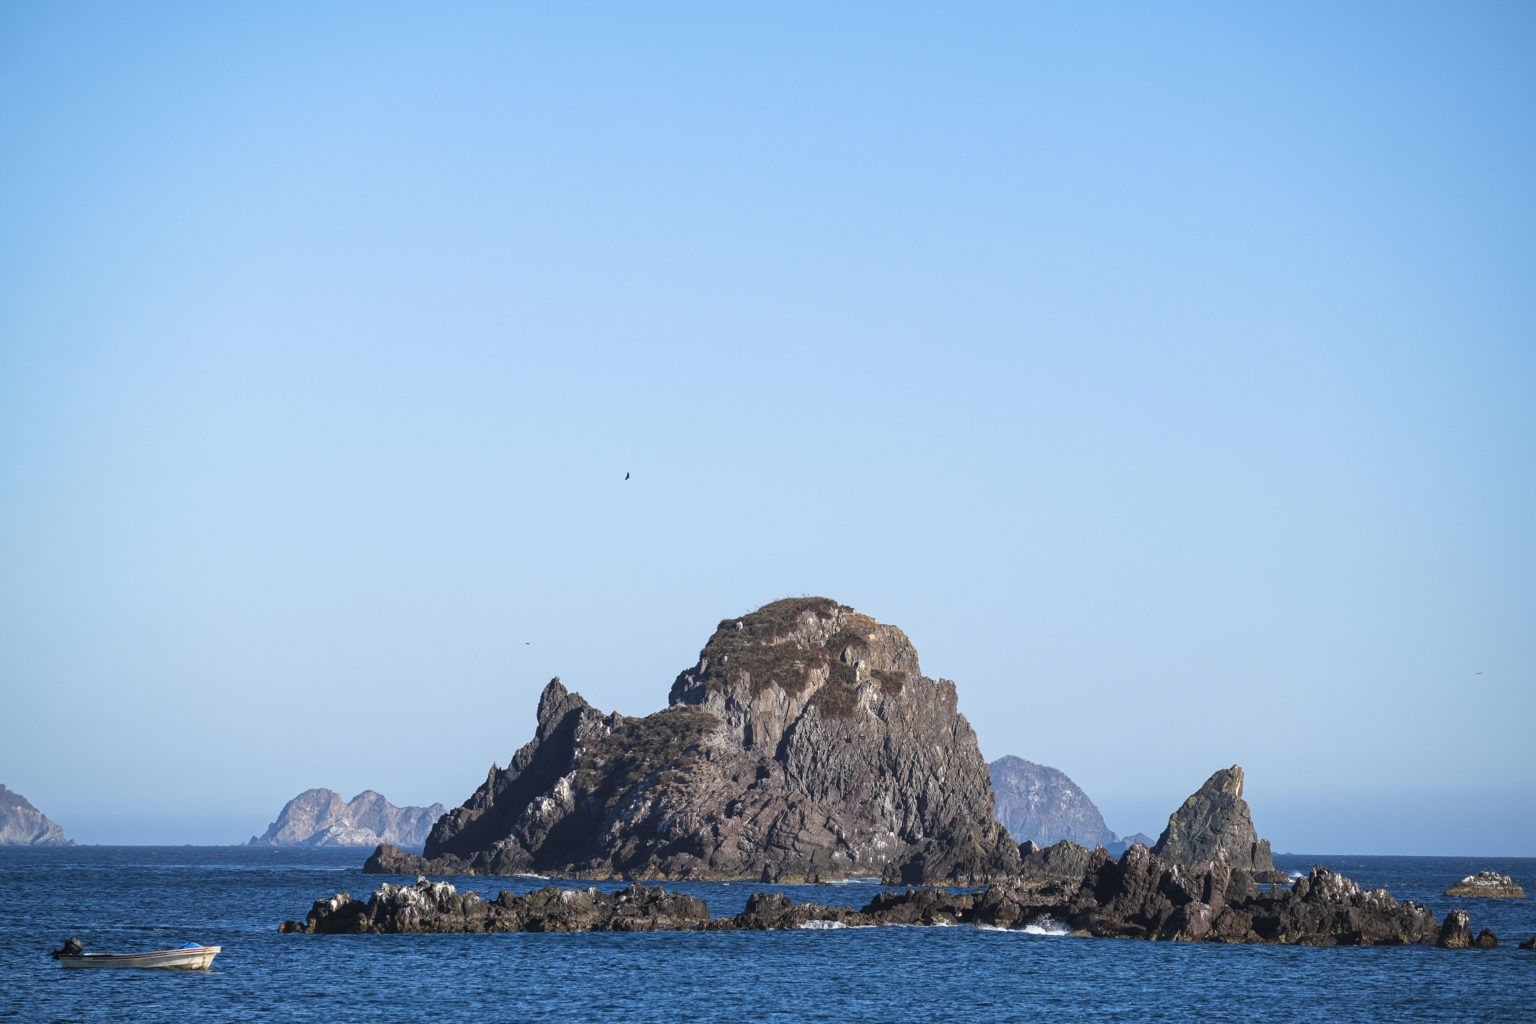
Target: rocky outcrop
1063	861
1041	804
1140	896
1456	932
320	817
438	907
21	824
804	744
1144	896
1487	885
1214	822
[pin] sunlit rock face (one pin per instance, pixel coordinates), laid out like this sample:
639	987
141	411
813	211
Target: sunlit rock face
1040	804
21	824
320	817
804	743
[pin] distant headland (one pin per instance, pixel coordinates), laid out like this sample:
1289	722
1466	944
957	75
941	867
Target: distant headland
320	817
21	824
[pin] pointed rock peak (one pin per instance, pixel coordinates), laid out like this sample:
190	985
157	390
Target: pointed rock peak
555	703
1215	820
553	696
1228	781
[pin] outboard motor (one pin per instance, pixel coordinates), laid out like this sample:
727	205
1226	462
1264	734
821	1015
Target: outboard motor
72	947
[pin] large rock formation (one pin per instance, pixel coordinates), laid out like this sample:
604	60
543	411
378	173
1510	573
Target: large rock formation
21	824
320	817
1042	804
1214	822
804	744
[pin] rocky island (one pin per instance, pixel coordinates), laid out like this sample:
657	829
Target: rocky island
320	817
1040	804
804	744
1487	885
21	824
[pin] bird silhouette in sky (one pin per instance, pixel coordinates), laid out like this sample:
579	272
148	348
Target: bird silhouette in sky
626	476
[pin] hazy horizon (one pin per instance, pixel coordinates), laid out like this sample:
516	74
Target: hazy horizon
1167	375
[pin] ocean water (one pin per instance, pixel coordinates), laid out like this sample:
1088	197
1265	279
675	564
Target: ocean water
126	899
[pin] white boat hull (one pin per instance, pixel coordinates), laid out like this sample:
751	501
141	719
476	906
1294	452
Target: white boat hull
197	958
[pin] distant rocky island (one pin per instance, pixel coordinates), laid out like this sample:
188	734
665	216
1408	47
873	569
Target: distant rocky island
1042	805
21	824
804	744
320	817
1487	885
1039	803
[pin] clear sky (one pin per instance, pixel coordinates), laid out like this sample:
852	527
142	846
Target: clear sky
1167	373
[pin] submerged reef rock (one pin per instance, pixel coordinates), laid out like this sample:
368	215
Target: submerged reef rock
21	824
1140	896
1214	822
1487	884
1041	804
320	817
805	744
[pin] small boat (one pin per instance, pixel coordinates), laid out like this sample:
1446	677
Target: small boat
190	957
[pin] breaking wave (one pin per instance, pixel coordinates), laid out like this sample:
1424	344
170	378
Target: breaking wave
1046	925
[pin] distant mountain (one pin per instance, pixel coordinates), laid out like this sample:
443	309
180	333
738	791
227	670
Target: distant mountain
320	817
1042	804
21	824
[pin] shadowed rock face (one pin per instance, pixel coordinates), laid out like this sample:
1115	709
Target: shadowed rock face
805	743
1041	804
1063	861
21	824
320	817
1214	822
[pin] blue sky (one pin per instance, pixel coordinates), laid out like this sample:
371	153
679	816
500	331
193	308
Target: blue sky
1166	374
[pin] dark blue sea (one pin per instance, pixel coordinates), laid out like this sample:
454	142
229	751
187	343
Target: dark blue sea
127	899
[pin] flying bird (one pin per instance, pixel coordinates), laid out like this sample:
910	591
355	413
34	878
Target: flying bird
626	476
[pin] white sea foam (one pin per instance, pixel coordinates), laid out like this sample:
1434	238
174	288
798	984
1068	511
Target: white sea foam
1046	925
1296	874
821	926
